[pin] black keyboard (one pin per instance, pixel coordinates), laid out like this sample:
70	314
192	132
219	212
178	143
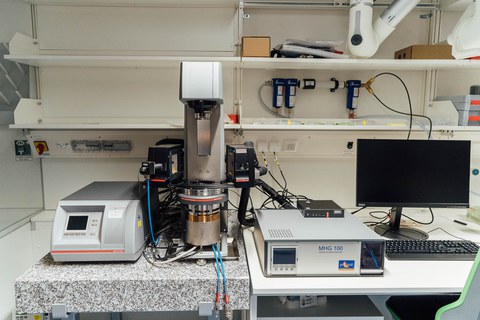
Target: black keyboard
462	250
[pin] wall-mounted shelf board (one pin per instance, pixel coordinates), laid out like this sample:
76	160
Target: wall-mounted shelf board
325	4
176	3
318	4
223	3
309	4
358	64
245	63
114	61
359	124
106	126
351	128
260	127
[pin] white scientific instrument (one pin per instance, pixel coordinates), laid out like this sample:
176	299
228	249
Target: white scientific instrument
194	170
100	222
203	197
465	39
364	38
288	244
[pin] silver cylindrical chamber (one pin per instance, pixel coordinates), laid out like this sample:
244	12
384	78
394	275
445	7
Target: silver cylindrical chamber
203	233
203	211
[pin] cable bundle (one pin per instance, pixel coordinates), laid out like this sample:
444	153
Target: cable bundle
285	197
168	226
220	268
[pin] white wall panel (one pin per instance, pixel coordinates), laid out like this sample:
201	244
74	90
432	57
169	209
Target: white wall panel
20	181
414	29
16	249
322	167
14	17
449	20
167	29
282	24
319	178
127	93
62	177
60	145
322	24
332	25
458	83
454	83
321	103
319	168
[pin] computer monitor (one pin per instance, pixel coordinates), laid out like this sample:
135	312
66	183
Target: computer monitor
411	173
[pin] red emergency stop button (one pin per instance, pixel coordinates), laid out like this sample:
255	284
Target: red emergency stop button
41	147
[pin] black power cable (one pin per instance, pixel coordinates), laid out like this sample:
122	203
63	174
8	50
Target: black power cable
410	114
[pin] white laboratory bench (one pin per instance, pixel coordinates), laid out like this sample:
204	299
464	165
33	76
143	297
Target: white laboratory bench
138	286
16	250
41	226
13	218
400	277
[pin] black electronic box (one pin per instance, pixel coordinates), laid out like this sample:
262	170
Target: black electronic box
320	209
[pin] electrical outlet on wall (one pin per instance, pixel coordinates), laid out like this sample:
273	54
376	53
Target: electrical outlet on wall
349	148
274	146
262	146
290	145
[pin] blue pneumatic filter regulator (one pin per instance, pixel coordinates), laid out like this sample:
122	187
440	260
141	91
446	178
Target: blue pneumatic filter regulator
290	93
278	93
353	91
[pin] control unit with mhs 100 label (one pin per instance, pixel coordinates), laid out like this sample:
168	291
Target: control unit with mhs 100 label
288	244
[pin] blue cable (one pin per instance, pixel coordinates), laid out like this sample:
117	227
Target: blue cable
217	268
223	270
155	242
374	259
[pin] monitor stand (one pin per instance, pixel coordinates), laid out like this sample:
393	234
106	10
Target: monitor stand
392	230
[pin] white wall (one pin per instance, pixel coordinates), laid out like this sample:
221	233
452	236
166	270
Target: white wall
137	95
103	94
148	94
319	169
14	17
454	83
16	251
322	167
20	181
136	29
321	24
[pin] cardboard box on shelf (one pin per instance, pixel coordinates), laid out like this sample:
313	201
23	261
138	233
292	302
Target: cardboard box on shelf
437	51
256	46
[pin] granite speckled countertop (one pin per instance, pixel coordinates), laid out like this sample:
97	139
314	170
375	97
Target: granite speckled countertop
130	286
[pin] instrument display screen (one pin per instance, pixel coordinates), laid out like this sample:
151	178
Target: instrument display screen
76	223
284	256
